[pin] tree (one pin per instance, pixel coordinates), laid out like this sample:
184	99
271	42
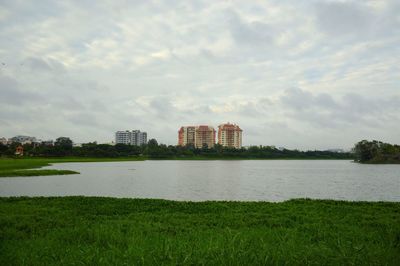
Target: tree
62	147
152	143
376	152
63	142
152	148
3	149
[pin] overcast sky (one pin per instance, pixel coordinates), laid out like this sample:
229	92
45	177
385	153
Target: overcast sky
298	74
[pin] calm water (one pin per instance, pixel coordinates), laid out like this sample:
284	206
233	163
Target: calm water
216	180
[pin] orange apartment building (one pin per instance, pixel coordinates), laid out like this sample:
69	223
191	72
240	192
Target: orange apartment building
186	136
204	135
199	136
230	135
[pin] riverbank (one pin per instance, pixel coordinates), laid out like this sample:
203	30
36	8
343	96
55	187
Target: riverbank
24	166
379	161
104	231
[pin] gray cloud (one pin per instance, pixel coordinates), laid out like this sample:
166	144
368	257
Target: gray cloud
12	94
349	110
37	64
358	19
341	18
301	99
253	34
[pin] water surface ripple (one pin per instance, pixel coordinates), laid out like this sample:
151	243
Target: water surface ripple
244	180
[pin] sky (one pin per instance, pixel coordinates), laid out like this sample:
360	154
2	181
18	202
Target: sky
294	74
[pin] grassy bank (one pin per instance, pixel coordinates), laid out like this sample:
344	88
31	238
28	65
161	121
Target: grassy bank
24	166
104	231
14	173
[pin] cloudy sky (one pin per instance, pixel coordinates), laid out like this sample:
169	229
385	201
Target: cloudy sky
298	74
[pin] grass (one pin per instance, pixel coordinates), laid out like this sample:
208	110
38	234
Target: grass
109	231
23	166
14	173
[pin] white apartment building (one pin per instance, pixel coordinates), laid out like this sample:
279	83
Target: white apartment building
141	138
134	137
123	137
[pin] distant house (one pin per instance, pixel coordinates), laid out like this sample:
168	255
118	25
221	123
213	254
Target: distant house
48	143
19	151
336	150
23	139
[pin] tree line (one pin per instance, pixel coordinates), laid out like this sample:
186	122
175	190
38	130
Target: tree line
376	152
64	147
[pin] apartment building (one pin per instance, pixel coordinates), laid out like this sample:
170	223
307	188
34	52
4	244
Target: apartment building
134	137
186	136
123	137
198	136
204	136
230	135
141	138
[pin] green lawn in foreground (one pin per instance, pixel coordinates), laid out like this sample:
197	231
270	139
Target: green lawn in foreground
108	231
17	167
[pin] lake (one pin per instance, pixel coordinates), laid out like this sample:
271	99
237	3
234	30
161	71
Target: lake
238	180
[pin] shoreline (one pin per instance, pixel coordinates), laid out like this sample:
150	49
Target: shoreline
178	201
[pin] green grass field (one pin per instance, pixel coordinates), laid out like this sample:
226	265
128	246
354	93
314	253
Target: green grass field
109	231
23	166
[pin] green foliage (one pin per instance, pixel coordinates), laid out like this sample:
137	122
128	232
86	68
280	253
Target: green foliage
219	152
107	231
63	142
152	143
154	150
376	152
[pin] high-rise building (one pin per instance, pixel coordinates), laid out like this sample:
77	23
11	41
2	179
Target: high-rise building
141	138
134	137
198	136
204	136
230	135
123	137
186	136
